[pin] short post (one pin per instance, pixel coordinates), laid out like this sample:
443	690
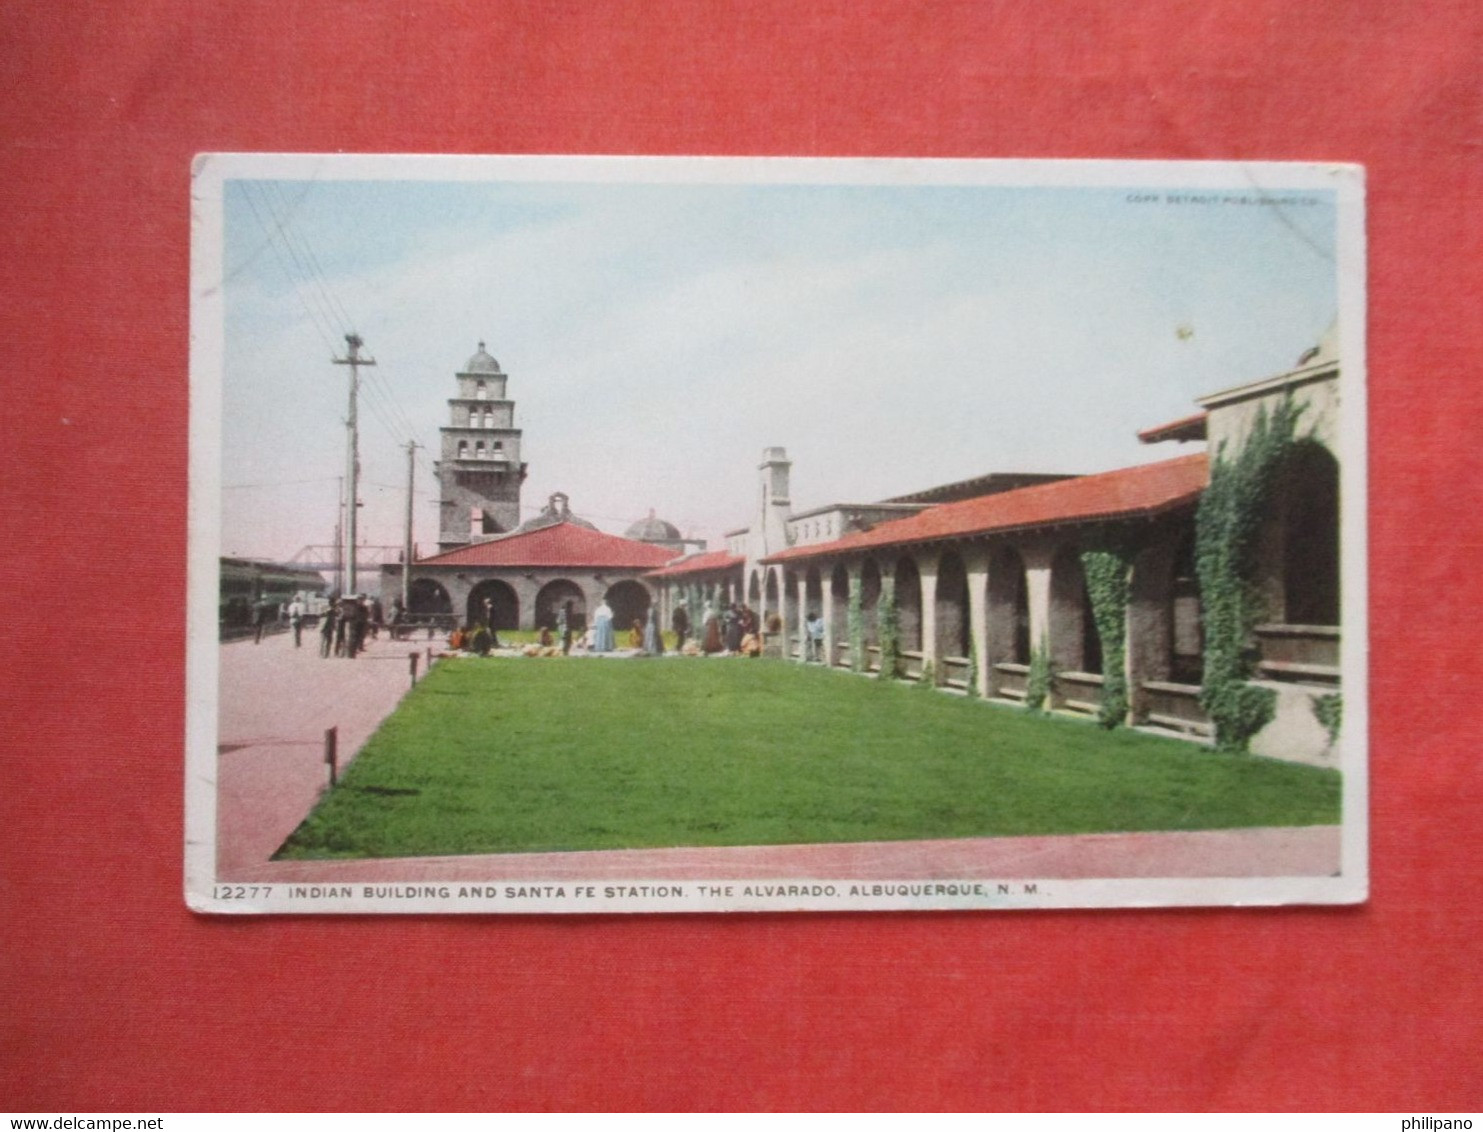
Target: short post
429	658
331	739
412	667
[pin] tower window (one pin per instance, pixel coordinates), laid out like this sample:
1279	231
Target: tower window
488	418
463	449
479	450
481	391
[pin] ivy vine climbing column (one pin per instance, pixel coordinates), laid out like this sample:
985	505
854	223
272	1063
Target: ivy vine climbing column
1107	574
856	620
888	628
1228	527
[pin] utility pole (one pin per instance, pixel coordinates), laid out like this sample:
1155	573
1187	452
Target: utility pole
412	447
340	537
352	453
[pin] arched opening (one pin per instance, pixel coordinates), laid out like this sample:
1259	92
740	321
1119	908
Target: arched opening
463	449
870	596
1186	623
908	605
427	598
494	603
1009	608
754	591
774	621
1310	568
553	596
1069	614
792	619
629	601
952	606
839	610
813	592
481	391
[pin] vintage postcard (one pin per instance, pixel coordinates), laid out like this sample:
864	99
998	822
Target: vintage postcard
585	535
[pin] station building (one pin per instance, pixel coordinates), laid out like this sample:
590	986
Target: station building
992	567
491	567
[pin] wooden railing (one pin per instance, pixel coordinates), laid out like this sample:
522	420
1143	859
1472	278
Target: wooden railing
1175	706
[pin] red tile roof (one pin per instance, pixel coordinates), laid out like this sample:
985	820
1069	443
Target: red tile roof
699	564
1192	427
1147	489
564	544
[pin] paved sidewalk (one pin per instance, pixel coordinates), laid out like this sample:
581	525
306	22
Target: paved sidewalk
276	702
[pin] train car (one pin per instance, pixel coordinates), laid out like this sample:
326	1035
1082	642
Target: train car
246	581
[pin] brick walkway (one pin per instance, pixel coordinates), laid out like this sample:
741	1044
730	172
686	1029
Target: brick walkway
276	702
1305	851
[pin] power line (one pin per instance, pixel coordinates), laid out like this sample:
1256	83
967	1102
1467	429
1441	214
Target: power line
314	262
307	282
251	257
302	255
315	318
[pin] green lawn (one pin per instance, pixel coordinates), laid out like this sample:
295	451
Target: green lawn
503	755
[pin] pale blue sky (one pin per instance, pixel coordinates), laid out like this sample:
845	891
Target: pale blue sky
658	336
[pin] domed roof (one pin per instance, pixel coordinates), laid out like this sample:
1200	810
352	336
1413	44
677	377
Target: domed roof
481	362
652	530
557	510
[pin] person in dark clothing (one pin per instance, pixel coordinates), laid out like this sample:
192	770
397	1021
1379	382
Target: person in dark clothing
260	610
564	627
327	632
360	620
732	629
679	621
489	623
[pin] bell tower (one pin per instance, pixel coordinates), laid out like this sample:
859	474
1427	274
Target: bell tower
480	471
769	532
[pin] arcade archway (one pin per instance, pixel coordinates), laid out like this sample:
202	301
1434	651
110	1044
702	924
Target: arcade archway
426	597
494	603
629	601
554	595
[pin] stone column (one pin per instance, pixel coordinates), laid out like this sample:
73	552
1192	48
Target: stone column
857	653
1037	594
927	572
459	587
976	566
826	596
802	629
782	609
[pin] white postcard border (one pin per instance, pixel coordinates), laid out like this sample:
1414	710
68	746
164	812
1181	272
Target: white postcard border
207	347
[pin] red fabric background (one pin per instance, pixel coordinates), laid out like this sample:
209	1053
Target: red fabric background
118	998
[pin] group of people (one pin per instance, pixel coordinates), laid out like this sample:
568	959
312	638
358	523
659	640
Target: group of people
347	625
644	634
733	630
